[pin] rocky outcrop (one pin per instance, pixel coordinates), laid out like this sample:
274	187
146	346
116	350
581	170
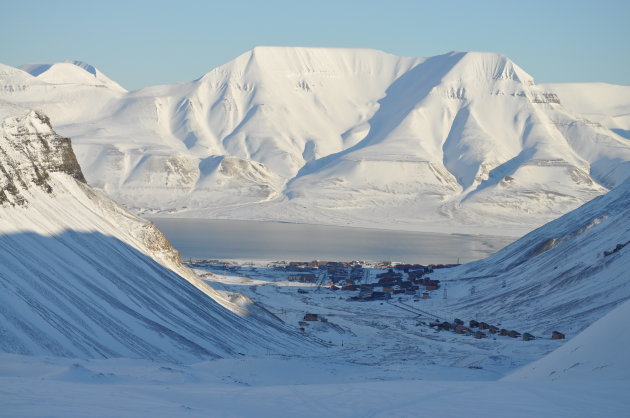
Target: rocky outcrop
29	151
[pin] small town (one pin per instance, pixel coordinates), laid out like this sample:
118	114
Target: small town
401	285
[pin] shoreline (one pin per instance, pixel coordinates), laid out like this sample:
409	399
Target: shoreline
398	228
211	239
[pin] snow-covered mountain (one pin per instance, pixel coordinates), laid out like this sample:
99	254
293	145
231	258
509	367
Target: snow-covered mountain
563	276
606	104
83	277
334	136
71	72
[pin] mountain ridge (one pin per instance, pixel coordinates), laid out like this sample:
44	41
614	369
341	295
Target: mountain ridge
456	137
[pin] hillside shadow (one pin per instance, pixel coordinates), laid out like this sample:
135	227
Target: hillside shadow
88	295
500	172
622	132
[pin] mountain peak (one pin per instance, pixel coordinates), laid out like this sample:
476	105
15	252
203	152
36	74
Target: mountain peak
487	66
70	72
284	60
300	61
31	151
36	69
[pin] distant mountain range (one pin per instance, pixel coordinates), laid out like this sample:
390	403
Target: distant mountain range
464	141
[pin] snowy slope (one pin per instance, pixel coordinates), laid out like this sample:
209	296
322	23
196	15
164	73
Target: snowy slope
70	91
82	277
598	352
70	72
606	104
353	135
563	276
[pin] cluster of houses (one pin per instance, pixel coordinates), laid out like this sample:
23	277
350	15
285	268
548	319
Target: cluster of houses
337	274
303	278
400	279
478	330
368	294
340	274
481	330
313	265
394	283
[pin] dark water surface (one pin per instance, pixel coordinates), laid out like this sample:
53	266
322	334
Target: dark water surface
252	240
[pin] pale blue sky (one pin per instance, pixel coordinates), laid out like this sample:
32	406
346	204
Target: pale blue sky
140	43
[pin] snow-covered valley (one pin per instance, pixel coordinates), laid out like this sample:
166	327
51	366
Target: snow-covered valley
99	316
380	359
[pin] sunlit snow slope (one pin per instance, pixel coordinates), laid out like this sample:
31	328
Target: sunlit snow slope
334	136
82	277
605	104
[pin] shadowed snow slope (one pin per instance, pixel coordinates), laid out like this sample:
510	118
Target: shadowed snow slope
464	139
83	277
562	276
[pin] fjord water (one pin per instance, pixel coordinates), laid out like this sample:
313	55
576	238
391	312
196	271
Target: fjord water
253	240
